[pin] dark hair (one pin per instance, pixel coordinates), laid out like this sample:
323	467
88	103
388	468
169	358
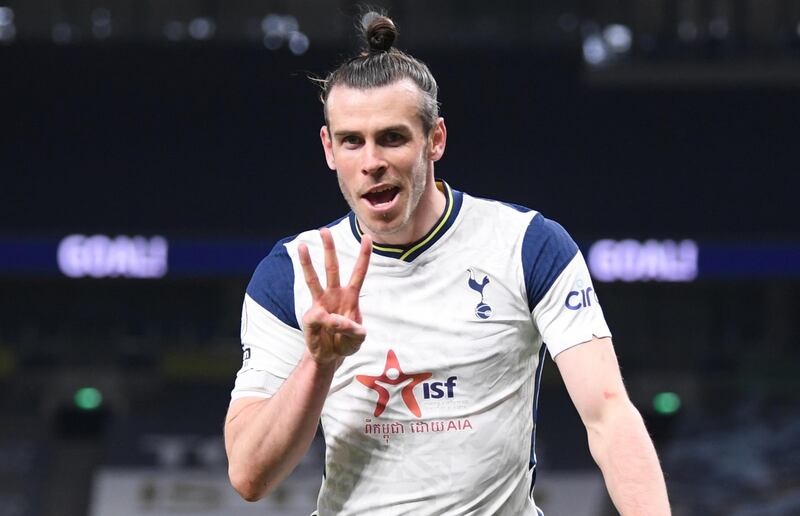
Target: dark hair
380	64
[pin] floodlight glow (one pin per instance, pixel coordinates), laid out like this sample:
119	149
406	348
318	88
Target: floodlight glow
594	50
298	43
6	16
290	24
202	28
277	25
8	32
101	23
368	17
618	37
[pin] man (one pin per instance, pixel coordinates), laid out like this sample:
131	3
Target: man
423	363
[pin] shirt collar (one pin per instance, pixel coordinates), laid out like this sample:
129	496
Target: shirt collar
407	253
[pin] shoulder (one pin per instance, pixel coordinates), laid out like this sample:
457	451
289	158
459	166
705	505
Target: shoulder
272	283
539	233
502	222
545	235
483	206
547	249
544	245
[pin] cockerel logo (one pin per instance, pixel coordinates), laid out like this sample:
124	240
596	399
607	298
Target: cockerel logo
482	310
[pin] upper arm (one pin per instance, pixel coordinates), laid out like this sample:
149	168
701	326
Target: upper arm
563	303
591	374
272	342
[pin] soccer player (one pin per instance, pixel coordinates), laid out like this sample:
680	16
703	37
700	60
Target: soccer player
420	346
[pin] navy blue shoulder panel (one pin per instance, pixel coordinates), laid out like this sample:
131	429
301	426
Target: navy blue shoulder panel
272	284
521	209
546	250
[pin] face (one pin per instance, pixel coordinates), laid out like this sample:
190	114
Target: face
383	159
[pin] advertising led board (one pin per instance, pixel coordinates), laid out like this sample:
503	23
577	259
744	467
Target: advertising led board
88	257
102	256
652	260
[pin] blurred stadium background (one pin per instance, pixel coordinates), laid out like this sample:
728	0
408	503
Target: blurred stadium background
152	151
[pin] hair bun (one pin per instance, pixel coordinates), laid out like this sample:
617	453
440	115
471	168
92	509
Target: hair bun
379	31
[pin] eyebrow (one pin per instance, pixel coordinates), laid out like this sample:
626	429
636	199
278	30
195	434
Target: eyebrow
401	128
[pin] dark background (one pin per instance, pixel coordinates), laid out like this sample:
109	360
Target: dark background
223	140
690	133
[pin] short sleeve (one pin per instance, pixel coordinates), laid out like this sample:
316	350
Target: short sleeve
272	343
561	297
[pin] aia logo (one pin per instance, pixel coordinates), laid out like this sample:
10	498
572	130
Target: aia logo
482	310
393	374
580	297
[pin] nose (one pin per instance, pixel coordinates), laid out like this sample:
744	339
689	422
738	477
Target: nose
374	161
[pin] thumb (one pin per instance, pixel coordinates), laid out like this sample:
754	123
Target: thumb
339	324
315	319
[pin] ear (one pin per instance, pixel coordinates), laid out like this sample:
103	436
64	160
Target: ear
327	146
438	140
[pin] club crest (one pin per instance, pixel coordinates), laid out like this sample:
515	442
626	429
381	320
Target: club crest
482	310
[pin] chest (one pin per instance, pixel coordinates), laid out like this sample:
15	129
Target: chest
465	316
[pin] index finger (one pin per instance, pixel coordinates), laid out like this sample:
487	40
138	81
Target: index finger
362	263
309	273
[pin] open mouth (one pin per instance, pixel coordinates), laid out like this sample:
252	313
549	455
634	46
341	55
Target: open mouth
382	196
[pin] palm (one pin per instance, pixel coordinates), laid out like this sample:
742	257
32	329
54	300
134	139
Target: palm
340	301
333	323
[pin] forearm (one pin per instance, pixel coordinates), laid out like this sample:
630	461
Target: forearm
267	439
625	454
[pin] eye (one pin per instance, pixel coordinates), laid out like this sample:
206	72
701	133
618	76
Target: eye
351	140
393	138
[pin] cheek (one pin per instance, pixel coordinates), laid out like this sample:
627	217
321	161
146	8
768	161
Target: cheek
346	164
411	162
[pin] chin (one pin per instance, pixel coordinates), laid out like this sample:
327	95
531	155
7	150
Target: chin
379	226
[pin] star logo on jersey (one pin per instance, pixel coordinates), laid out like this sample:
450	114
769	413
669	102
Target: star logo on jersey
394	375
482	310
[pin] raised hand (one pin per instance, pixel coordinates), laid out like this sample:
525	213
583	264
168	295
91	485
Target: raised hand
332	325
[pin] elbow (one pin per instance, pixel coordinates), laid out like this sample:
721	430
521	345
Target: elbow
619	425
248	487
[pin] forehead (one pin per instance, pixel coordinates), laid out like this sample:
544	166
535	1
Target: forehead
373	108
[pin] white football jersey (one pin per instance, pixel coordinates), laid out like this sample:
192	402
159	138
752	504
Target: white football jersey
436	413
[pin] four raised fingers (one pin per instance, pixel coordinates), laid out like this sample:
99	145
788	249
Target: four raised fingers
332	265
346	332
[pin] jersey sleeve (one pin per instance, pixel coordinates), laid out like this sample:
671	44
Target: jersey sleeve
561	297
272	342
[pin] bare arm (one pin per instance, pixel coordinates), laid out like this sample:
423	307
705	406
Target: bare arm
618	439
266	438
